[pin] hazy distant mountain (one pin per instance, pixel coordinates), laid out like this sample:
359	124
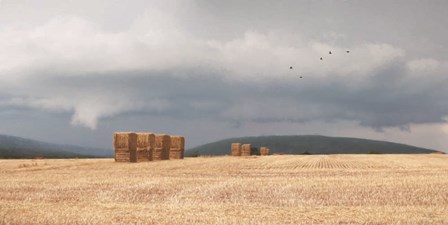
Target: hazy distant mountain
17	147
312	144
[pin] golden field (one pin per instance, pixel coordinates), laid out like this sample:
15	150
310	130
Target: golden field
283	189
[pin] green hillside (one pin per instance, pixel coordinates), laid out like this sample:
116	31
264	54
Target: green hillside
309	144
12	147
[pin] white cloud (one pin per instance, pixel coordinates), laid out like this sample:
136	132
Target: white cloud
72	46
91	108
423	65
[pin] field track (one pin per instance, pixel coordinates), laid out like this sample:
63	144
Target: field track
283	189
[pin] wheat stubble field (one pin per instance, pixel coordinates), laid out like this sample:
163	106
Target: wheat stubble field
314	189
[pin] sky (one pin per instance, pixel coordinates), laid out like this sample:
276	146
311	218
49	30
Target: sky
75	71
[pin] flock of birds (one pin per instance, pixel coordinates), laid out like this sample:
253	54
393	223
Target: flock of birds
321	58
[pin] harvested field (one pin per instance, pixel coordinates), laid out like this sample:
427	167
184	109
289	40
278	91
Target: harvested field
283	189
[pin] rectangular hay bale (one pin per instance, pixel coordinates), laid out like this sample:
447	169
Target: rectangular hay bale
176	154
125	146
122	156
177	147
162	147
177	142
264	151
235	149
245	150
145	146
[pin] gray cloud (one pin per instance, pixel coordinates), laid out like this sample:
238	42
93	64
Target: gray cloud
225	64
382	100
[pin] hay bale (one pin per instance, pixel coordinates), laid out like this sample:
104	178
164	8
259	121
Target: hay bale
177	147
245	150
122	156
125	146
177	142
236	149
145	146
264	151
162	147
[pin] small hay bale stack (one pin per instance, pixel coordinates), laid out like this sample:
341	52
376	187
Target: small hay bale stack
236	149
145	146
245	150
264	151
162	147
177	147
125	146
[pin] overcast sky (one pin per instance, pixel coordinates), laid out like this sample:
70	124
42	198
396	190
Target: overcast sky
74	71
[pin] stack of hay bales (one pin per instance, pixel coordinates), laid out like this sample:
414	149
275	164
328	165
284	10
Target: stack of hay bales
177	147
236	149
145	146
264	151
245	150
125	145
162	147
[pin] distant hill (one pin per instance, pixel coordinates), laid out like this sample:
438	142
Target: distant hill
12	147
309	144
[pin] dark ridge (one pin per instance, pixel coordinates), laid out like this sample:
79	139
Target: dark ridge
310	144
12	147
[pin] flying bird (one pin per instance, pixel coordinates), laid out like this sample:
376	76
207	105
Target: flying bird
348	51
330	52
290	67
301	77
321	58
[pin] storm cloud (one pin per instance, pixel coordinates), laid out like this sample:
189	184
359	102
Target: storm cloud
226	65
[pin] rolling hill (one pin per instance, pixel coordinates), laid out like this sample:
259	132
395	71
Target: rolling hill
12	147
309	144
